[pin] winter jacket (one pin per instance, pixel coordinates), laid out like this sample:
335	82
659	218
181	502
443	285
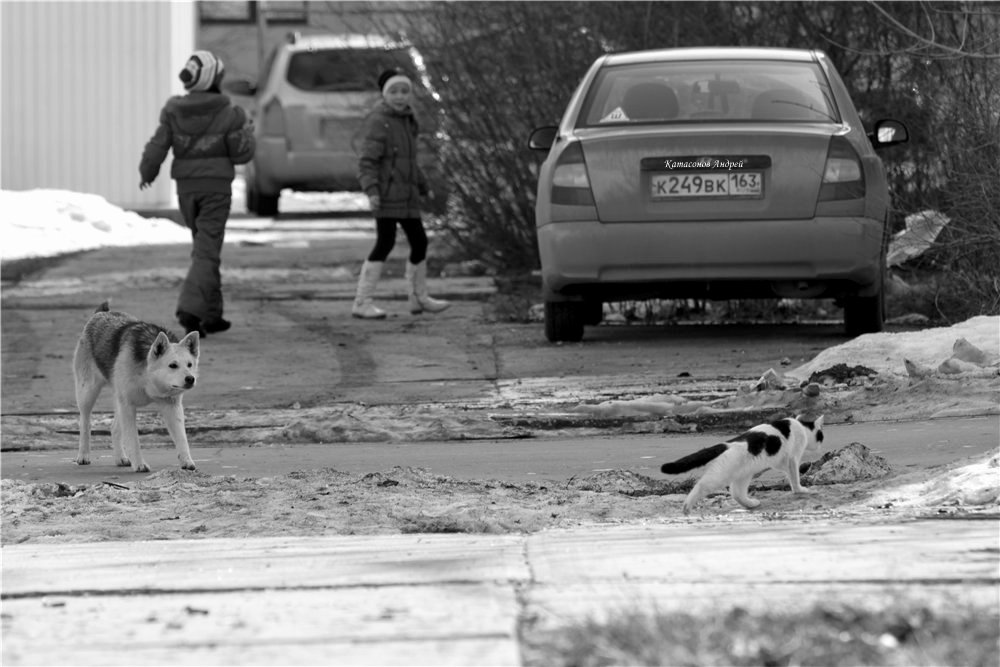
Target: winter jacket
388	162
208	135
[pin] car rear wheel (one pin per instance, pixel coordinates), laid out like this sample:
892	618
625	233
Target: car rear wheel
261	204
593	312
563	321
864	314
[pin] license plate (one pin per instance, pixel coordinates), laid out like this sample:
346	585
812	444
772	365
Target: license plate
748	184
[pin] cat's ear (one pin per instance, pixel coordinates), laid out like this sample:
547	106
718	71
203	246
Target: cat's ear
819	422
800	417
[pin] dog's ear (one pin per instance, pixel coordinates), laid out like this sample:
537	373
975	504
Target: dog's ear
191	342
159	346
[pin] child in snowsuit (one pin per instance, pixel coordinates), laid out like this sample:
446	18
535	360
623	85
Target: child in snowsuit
208	135
394	183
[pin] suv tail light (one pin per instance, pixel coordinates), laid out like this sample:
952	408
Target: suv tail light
843	177
273	122
570	182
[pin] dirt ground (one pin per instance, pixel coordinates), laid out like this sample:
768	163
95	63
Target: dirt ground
853	485
506	391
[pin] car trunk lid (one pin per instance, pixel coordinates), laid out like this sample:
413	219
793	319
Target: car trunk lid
708	173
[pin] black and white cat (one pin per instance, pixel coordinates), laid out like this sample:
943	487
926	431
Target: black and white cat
780	445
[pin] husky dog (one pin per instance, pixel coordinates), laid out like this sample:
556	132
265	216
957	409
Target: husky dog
144	363
779	445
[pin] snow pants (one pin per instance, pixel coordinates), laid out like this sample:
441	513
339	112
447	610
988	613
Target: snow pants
205	214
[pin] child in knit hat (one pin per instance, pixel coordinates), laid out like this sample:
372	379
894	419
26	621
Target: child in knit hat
394	183
208	135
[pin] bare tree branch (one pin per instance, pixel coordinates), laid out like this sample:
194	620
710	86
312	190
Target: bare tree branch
932	47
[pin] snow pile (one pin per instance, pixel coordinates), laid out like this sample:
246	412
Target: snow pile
45	223
975	484
886	352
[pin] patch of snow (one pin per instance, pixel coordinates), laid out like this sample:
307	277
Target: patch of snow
292	201
972	484
886	352
46	223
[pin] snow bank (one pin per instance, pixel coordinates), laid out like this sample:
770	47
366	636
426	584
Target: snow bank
885	352
45	223
975	483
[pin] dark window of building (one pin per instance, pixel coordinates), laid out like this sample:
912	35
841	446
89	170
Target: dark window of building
286	12
226	11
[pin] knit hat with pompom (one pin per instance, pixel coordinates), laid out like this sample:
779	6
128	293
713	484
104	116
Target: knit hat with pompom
201	71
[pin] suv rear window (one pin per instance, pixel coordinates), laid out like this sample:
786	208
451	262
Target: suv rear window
707	91
343	69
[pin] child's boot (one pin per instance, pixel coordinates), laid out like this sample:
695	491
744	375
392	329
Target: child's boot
364	307
420	300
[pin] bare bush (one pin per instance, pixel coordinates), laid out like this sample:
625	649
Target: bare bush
500	69
955	75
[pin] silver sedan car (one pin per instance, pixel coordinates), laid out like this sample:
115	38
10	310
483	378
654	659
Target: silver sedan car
712	173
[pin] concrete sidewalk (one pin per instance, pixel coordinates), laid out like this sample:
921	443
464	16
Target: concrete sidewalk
456	599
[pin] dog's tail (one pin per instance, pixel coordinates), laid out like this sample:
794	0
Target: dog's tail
692	461
104	307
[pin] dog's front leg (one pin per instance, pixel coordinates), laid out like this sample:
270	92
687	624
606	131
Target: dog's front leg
173	416
128	433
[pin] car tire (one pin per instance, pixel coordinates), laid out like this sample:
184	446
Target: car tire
864	314
563	321
261	204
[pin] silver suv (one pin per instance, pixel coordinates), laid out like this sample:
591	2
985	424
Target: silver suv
313	94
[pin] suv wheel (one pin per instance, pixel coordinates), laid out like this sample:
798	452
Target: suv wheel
563	321
261	204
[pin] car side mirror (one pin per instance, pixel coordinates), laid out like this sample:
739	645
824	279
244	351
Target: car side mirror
543	138
888	132
240	87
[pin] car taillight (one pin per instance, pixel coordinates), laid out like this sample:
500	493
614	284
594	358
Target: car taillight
843	177
570	182
274	119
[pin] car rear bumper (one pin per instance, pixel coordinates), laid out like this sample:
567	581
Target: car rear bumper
819	257
275	168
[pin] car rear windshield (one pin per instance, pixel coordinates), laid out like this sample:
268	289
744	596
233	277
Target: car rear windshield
709	90
329	70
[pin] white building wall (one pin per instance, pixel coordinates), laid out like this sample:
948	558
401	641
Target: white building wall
82	87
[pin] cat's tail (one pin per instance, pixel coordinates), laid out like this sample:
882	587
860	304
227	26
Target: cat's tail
692	461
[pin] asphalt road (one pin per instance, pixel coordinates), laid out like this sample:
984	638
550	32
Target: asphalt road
903	444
